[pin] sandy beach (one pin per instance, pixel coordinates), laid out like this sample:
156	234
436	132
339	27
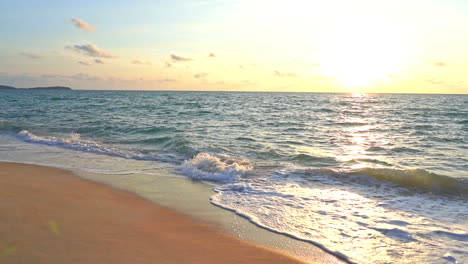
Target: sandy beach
49	216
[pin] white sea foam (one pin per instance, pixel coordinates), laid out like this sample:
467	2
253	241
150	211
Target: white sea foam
220	169
370	214
51	154
367	227
75	142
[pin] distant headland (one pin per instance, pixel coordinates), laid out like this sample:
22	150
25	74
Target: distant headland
6	87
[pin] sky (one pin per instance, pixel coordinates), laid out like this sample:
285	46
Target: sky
357	46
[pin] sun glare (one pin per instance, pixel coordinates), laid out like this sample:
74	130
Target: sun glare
361	53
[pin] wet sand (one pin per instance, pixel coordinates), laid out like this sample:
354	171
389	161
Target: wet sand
50	216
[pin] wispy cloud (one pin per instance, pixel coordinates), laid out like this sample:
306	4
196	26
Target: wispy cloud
166	80
30	55
200	75
285	74
85	63
440	63
168	64
91	50
85	81
98	61
81	24
139	62
176	58
212	55
78	77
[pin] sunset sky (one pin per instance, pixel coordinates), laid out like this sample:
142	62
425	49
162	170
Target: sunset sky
411	46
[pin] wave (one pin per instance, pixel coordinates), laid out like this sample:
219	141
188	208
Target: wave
152	140
175	149
325	110
219	169
397	234
10	125
334	215
373	161
351	123
74	142
306	159
419	179
56	98
246	139
148	130
155	130
223	168
181	146
405	150
375	149
452	235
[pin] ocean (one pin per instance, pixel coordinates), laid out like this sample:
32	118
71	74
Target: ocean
373	178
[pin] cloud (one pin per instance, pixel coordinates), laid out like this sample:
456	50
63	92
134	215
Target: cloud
30	55
211	55
176	58
91	50
166	80
76	77
440	63
26	80
84	77
139	62
85	63
98	61
200	75
81	24
86	81
285	74
168	65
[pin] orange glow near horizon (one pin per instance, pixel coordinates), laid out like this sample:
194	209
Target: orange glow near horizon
357	46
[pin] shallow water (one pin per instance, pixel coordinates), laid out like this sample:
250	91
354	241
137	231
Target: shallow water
374	178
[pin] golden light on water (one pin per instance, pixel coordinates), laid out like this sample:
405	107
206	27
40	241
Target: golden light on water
359	134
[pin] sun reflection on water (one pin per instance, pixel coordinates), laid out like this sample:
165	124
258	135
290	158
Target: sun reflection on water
358	131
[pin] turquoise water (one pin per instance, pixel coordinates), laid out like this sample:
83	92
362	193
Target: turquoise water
374	178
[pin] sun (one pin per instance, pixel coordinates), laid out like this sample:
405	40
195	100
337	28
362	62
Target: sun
361	53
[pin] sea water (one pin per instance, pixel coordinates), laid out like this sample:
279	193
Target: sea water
376	178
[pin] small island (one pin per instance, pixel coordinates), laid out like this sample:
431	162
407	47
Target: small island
6	87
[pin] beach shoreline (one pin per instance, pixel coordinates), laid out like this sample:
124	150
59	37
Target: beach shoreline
319	187
50	216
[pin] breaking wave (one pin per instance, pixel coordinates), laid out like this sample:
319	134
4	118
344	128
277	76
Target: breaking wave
220	169
74	142
412	178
